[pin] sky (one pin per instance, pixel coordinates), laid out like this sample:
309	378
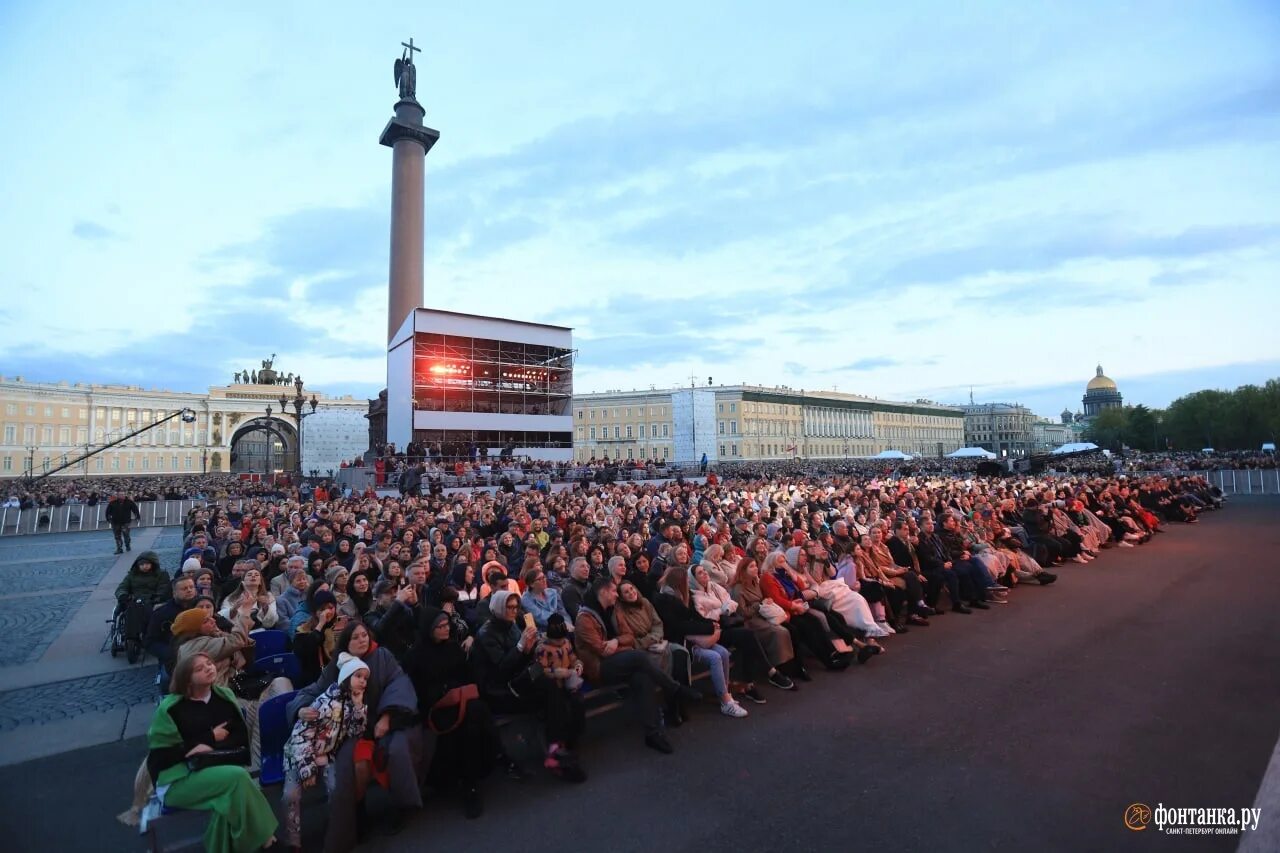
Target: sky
904	200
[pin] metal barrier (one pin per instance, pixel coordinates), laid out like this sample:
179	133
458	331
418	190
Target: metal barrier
1243	481
72	518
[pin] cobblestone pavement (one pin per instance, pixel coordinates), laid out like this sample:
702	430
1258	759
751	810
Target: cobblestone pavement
65	699
29	625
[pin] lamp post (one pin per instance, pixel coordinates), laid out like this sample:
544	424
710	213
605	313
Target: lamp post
298	402
270	441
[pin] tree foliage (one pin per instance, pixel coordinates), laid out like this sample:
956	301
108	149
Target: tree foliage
1225	420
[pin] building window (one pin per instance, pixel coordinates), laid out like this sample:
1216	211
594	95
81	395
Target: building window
146	463
629	431
66	413
721	427
722	450
579	414
8	463
733	427
84	414
11	408
664	435
115	463
642	430
64	435
188	462
720	408
31	410
631	453
617	432
733	407
175	462
128	463
593	433
628	411
10	434
734	449
48	411
665	453
46	435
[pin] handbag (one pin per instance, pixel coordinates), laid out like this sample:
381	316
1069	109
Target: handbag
530	676
458	697
217	758
770	610
247	684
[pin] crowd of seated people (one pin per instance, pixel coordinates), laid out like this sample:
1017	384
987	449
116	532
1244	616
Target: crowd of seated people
420	622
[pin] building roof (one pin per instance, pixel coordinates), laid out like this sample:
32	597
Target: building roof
1100	382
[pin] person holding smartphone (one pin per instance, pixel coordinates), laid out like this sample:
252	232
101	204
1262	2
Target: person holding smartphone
314	642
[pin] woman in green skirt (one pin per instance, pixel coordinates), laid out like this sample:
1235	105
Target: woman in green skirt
199	717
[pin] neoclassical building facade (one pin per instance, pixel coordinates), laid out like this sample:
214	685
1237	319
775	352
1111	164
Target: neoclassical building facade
44	424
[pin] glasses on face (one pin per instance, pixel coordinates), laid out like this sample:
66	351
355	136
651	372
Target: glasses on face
512	605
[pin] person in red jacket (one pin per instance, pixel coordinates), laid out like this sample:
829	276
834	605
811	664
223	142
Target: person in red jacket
807	626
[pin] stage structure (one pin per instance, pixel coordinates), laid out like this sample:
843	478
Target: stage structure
462	380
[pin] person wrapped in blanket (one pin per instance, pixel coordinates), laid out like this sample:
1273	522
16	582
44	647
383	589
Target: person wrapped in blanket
341	715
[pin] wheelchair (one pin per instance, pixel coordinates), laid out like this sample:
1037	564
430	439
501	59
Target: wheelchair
128	627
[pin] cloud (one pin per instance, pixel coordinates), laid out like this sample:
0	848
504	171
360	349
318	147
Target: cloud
871	363
87	230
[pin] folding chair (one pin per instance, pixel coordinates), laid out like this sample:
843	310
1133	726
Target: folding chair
284	664
269	642
273	732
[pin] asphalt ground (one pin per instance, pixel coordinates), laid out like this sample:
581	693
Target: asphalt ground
1151	676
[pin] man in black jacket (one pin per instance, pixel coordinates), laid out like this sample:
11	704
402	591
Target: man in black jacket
120	511
905	557
938	568
160	626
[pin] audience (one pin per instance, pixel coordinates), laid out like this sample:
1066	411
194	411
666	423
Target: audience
642	588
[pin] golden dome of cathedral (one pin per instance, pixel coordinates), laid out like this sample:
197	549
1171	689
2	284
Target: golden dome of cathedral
1100	382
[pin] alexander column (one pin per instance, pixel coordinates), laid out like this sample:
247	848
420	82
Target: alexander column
409	140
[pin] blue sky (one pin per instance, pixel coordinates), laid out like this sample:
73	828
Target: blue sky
902	202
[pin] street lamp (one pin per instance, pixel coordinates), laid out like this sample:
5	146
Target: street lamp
270	441
298	402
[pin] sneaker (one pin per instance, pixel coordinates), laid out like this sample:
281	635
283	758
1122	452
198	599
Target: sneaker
731	709
998	587
781	682
1125	544
1046	578
887	627
754	695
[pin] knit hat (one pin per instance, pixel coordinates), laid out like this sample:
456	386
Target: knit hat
332	574
277	548
348	665
188	621
191	564
321	599
498	604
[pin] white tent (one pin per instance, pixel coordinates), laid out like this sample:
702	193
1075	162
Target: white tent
891	454
1075	447
971	452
